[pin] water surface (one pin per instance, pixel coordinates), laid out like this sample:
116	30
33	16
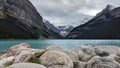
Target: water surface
66	44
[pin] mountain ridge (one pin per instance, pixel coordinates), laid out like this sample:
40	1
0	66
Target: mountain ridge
26	22
103	26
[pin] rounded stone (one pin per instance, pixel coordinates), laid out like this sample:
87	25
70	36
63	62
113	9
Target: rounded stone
12	50
2	66
28	55
102	62
56	59
54	47
26	65
85	53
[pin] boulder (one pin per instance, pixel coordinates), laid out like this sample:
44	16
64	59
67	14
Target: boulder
54	47
107	49
102	62
26	65
28	55
12	50
85	53
73	55
2	66
56	59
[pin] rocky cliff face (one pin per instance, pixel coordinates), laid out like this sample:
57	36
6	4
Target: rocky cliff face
20	20
51	27
53	30
105	25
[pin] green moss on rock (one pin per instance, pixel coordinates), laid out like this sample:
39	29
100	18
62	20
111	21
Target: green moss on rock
104	54
8	63
118	60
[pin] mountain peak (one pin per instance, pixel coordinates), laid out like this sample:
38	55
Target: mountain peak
110	7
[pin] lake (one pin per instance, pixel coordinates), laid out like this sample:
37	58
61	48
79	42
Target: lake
66	44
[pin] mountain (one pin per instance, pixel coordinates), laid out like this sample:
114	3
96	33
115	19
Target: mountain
105	25
20	20
51	27
64	30
53	30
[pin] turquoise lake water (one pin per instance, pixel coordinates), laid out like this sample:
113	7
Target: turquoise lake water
66	44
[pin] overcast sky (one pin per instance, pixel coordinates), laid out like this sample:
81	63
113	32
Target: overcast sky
70	12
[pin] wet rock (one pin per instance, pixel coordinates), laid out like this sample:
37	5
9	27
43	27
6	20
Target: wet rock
85	53
26	65
56	59
12	50
102	62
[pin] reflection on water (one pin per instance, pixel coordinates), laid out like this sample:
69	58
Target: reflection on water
66	44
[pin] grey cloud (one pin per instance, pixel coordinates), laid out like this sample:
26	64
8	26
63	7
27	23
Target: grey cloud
67	11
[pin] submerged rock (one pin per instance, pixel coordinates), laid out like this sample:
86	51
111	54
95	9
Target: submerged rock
12	50
26	65
56	59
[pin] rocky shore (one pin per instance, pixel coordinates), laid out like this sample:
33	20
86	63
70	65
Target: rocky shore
82	56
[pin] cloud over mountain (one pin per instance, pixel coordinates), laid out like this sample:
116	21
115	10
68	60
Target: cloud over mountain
63	12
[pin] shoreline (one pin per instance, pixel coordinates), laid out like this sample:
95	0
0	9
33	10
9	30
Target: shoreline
56	57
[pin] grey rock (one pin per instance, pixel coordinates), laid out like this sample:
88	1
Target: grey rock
85	53
80	64
73	55
54	47
108	49
12	50
2	66
26	65
26	55
4	61
102	62
56	59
